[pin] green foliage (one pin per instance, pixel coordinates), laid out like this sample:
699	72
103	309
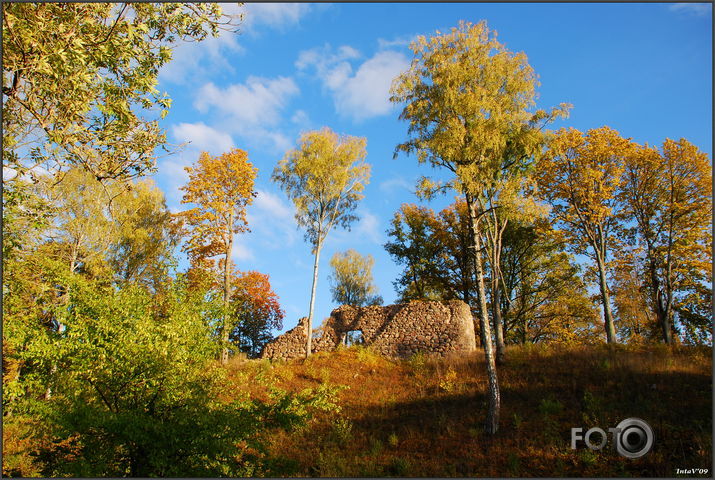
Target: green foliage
145	235
418	364
448	381
83	77
136	393
543	297
399	467
549	407
415	243
341	432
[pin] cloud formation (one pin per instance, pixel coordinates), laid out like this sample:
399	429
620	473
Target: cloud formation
209	56
357	94
401	41
251	110
202	137
274	15
271	220
393	184
257	103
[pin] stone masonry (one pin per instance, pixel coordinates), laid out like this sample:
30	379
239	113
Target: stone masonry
394	331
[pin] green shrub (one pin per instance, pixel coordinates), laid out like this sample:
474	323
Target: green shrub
137	394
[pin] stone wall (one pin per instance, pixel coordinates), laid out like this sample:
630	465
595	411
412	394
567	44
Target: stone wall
394	330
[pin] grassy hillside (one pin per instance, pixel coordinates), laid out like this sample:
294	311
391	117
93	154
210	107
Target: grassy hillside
424	417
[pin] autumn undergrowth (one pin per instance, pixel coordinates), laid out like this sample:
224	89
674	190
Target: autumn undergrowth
424	416
365	415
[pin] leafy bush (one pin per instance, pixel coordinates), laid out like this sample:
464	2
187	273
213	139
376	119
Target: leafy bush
137	392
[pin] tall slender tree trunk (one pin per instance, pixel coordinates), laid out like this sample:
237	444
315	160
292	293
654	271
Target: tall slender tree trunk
661	310
605	298
492	421
309	326
498	324
666	307
226	295
495	237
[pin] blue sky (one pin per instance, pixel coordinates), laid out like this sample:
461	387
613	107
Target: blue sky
643	69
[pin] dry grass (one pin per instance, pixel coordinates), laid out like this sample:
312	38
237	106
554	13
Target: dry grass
424	416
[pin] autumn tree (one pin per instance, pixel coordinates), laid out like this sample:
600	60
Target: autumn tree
580	177
255	312
435	251
544	296
637	322
324	177
667	194
351	280
414	243
457	276
145	234
221	188
79	82
81	231
508	200
467	100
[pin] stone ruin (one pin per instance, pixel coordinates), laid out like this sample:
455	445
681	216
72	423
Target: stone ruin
396	331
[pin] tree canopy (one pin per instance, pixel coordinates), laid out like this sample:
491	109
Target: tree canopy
79	82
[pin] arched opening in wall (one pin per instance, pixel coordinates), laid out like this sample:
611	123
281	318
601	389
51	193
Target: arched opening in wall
353	337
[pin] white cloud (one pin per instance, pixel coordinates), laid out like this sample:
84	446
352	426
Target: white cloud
256	103
697	9
252	109
365	230
360	95
203	59
367	94
269	203
324	60
401	41
190	60
274	15
391	185
203	137
368	227
271	220
174	175
300	118
240	251
8	174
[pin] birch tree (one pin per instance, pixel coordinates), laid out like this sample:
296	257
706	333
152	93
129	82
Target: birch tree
467	100
351	281
324	177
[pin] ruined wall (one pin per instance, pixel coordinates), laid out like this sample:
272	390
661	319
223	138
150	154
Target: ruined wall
394	330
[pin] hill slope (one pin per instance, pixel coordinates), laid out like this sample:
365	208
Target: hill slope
424	417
